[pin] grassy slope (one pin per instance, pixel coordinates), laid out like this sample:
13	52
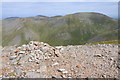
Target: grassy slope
71	29
105	42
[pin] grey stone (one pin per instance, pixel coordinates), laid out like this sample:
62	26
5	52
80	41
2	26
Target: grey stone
57	52
30	60
33	75
61	70
21	52
43	68
55	64
63	76
97	55
64	72
12	57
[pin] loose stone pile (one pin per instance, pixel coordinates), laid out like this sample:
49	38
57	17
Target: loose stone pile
40	60
34	51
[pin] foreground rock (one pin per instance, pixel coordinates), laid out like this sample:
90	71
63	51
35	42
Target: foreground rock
40	60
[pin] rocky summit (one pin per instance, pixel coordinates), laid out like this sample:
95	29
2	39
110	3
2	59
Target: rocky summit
40	60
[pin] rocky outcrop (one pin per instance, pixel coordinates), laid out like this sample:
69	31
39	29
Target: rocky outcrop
40	60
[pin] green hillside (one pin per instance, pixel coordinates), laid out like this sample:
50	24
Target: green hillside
72	29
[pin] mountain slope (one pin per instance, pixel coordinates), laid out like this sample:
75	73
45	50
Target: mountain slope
72	29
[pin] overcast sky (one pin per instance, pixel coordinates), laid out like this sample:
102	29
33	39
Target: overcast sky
27	9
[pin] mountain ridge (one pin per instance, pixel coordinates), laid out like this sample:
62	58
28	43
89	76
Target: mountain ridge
70	29
58	15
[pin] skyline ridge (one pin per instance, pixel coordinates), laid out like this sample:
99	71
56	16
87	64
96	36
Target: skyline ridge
56	15
26	9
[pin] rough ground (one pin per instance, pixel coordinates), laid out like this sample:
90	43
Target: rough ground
40	60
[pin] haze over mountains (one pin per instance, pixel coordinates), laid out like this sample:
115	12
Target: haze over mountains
72	29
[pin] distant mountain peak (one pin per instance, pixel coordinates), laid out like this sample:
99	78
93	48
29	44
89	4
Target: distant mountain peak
12	17
41	16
